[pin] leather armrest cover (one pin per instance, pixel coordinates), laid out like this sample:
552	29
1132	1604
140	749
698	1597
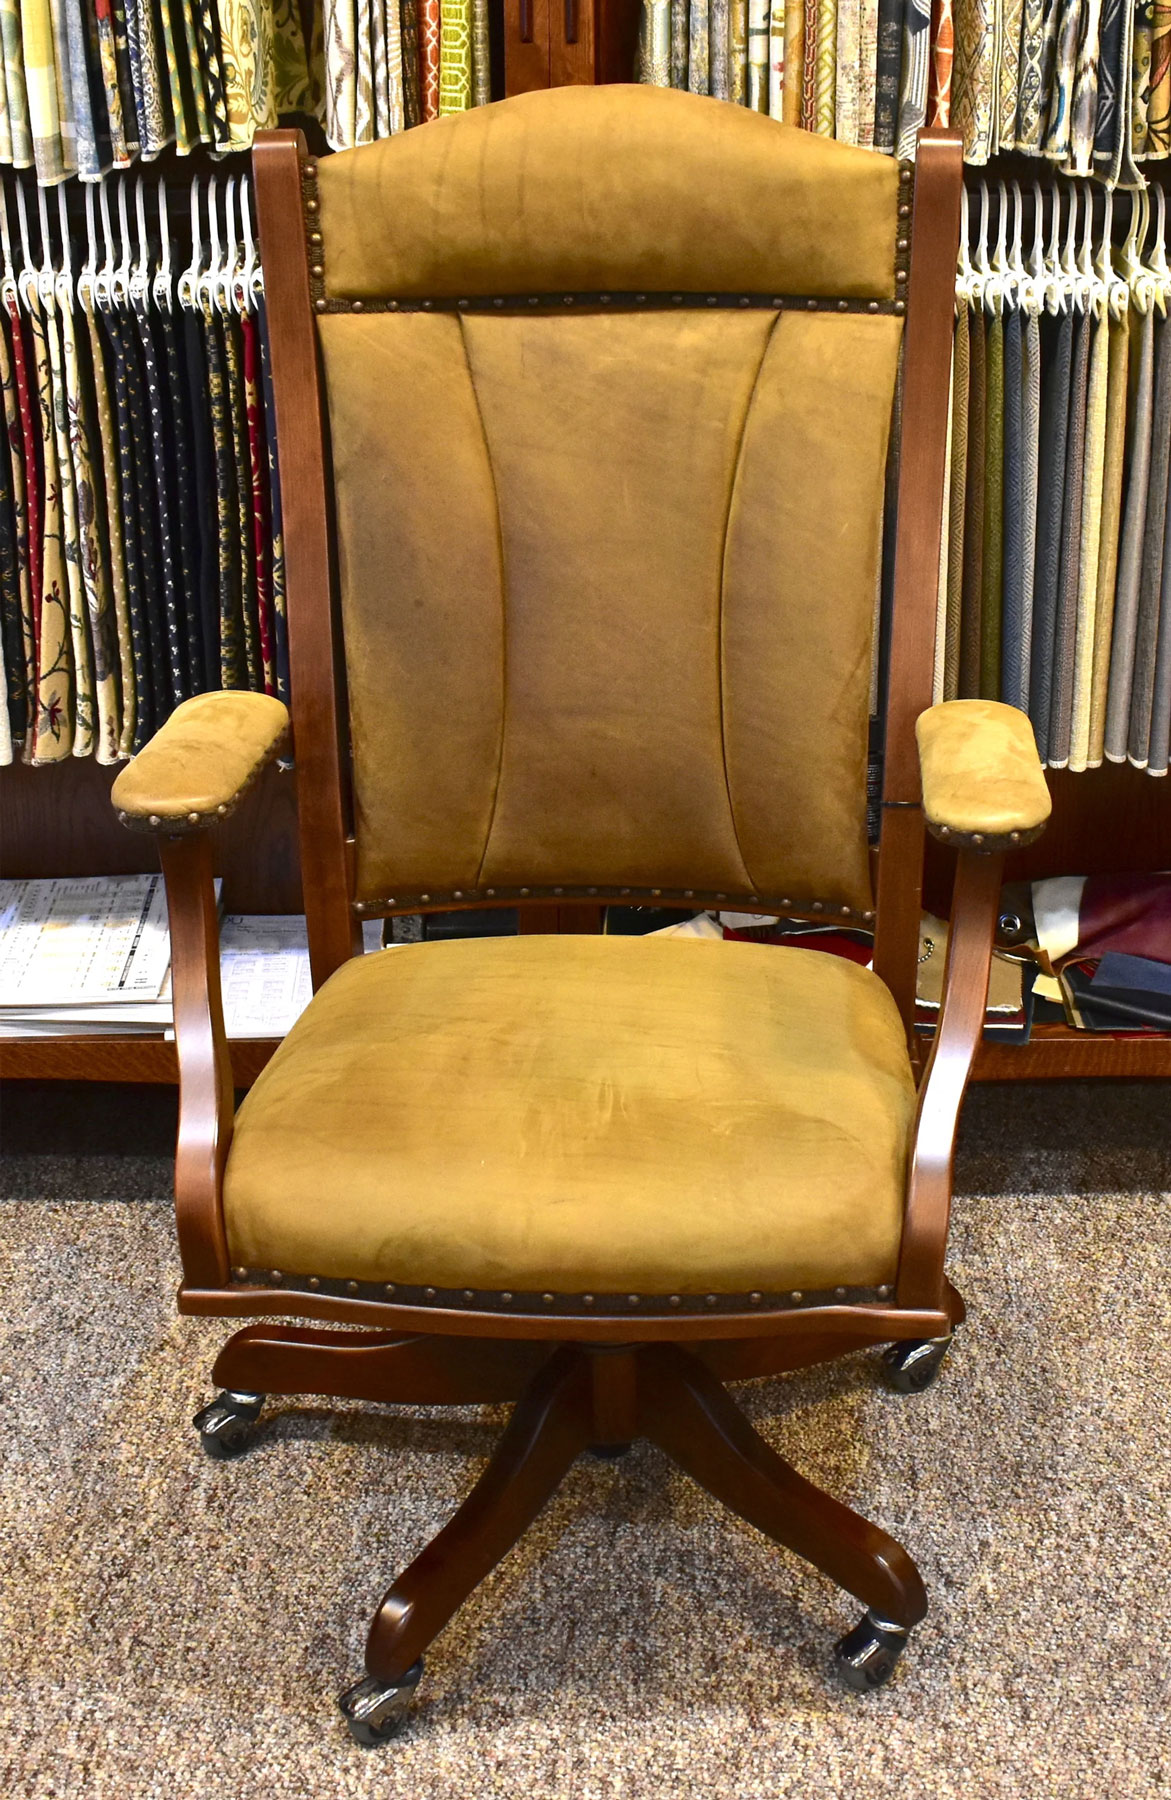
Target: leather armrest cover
983	784
194	769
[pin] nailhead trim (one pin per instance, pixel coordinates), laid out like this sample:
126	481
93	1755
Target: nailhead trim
770	904
482	303
571	1305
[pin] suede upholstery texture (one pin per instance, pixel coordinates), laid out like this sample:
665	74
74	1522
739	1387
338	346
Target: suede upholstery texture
203	757
981	772
581	1114
607	189
607	587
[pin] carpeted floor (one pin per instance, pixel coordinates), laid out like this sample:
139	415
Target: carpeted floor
176	1628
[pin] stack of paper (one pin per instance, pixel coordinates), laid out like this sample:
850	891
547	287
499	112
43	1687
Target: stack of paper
93	955
89	954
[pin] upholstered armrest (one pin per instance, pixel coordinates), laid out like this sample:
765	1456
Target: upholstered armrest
983	785
193	770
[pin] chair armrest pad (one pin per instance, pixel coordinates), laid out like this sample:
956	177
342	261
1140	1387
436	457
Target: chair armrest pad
983	784
195	768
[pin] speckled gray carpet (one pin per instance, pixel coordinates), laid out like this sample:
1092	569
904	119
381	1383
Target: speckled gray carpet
176	1628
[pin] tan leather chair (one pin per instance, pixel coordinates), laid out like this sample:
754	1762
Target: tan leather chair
581	607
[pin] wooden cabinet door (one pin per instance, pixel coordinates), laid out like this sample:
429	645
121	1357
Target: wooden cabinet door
526	45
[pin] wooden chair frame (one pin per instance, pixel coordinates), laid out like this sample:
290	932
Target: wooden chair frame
594	1380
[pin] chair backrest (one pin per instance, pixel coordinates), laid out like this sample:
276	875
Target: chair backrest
608	376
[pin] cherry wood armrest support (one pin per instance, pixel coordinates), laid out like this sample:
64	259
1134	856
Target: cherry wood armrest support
975	906
206	1092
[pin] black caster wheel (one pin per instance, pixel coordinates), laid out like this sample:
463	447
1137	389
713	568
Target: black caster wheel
913	1365
376	1713
866	1656
225	1427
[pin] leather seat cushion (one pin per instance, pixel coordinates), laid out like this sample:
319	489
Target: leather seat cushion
581	1114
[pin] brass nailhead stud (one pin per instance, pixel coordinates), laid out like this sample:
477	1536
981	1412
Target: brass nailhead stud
587	1299
317	269
193	818
676	299
977	837
840	1293
320	305
945	831
900	274
1014	837
754	1299
424	898
428	1293
390	1287
902	244
274	1275
812	305
711	299
688	894
351	1287
457	894
315	237
623	890
506	1298
491	893
558	890
904	175
524	891
754	897
873	306
154	820
239	1274
313	1283
311	206
904	211
656	891
469	1293
783	902
796	1296
221	809
709	1300
744	300
311	165
868	915
568	300
900	307
846	912
632	1299
605	299
548	1299
816	906
639	299
533	300
884	1293
721	896
674	1300
498	303
843	306
777	301
591	890
462	304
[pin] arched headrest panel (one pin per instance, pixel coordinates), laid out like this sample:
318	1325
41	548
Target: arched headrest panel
596	189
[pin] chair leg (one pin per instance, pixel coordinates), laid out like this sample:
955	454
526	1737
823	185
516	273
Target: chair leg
686	1411
549	1427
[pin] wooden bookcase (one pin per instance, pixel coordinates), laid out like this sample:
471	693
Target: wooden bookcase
58	820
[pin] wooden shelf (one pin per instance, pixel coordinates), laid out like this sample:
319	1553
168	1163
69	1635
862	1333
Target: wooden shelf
143	1058
1056	1052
